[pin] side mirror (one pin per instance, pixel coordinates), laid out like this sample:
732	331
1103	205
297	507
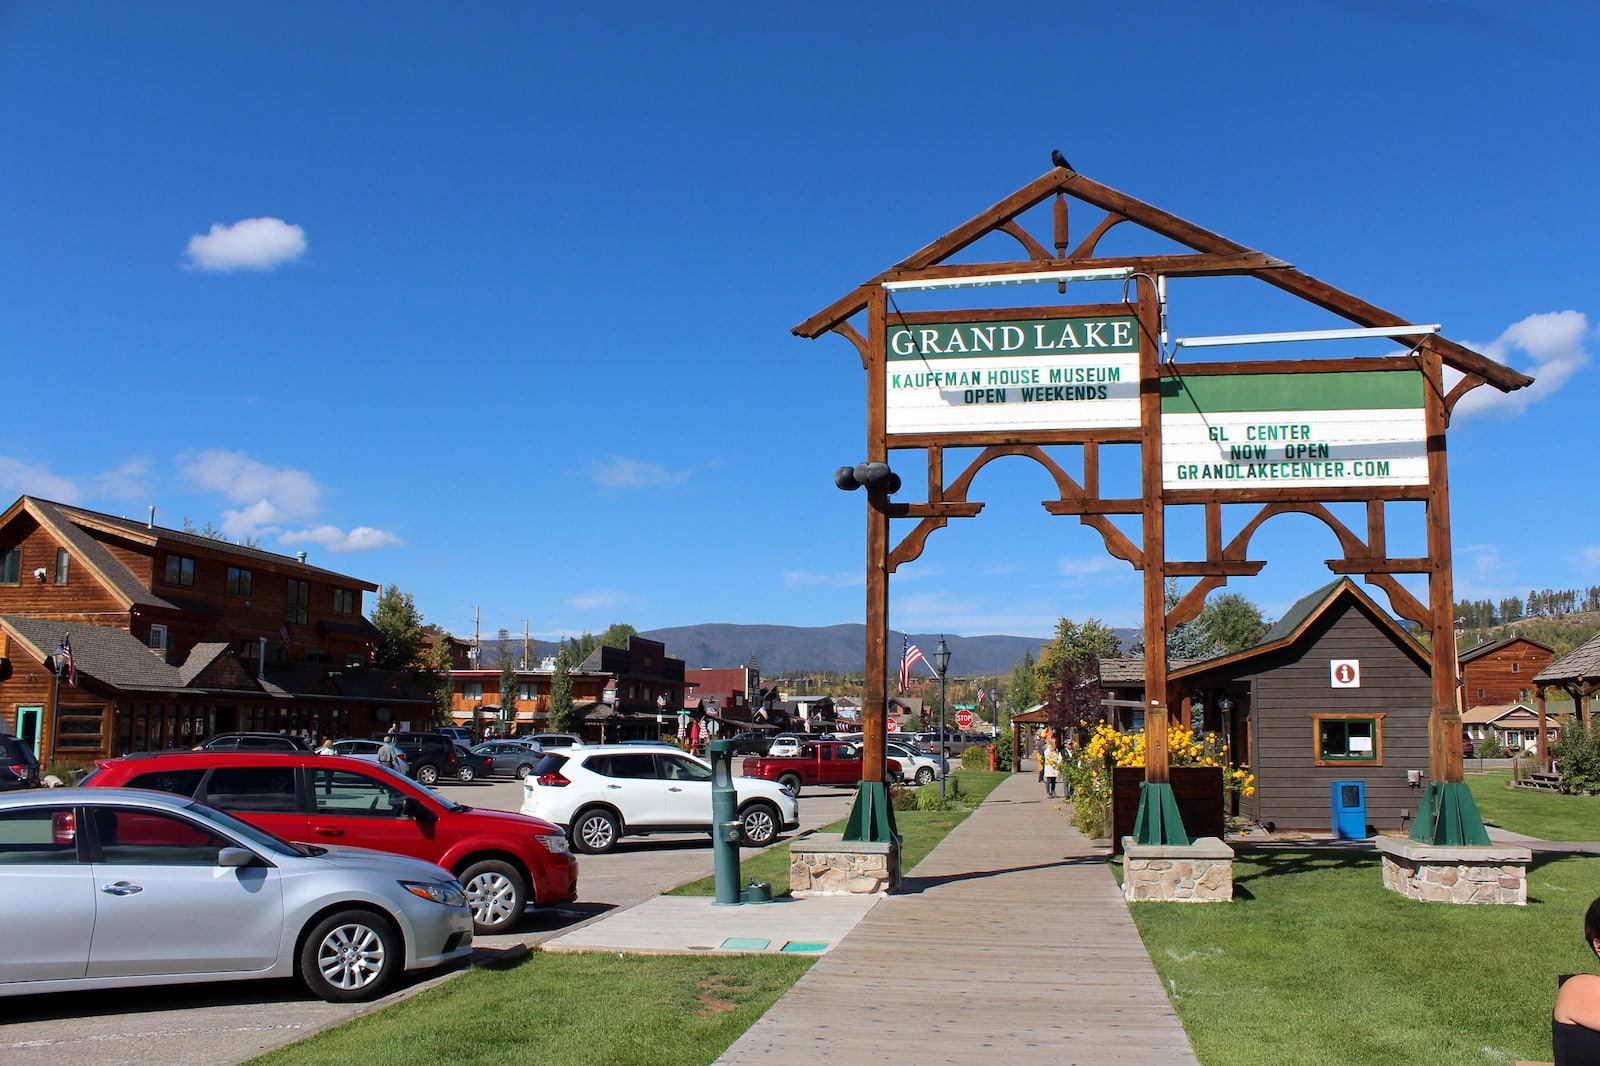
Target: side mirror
235	857
415	808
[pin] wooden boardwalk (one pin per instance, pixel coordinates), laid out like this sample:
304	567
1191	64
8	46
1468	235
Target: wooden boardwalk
1009	944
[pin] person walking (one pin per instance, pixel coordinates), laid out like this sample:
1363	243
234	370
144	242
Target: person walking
1052	770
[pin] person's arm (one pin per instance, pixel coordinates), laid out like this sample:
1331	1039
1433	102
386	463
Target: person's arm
1579	1001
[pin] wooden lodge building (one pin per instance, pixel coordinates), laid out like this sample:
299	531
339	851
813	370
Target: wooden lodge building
175	637
1335	691
1499	672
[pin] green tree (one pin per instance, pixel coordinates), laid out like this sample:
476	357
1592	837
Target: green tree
1022	690
397	618
562	715
1187	640
1075	643
579	648
616	636
508	679
436	676
1232	622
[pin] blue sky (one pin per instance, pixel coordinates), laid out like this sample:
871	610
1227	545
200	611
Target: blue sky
493	301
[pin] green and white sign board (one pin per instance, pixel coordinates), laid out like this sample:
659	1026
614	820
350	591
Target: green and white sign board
1316	430
1046	373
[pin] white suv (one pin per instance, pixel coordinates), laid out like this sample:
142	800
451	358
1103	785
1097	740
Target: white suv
607	791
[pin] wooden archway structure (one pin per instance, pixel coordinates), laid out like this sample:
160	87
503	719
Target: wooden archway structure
1448	814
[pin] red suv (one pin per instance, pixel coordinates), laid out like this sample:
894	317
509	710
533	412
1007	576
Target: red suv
506	861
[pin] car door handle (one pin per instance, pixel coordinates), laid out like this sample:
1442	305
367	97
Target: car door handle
674	788
327	831
613	786
121	888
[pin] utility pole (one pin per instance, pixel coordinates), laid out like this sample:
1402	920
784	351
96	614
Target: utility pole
477	649
526	662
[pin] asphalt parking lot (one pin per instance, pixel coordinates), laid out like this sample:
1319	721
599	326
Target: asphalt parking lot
205	1025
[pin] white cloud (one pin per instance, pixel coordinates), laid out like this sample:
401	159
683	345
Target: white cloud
1555	345
269	497
359	539
130	480
631	474
1102	569
249	244
22	478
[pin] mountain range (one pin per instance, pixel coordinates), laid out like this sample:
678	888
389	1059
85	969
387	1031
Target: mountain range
780	650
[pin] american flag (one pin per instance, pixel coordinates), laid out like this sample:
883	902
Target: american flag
284	633
912	656
65	652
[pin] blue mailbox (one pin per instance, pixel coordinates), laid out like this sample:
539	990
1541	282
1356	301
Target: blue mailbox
1349	800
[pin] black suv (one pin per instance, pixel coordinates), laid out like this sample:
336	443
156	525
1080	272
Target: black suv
256	742
16	756
431	755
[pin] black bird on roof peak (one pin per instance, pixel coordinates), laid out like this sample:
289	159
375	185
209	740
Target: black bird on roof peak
1058	159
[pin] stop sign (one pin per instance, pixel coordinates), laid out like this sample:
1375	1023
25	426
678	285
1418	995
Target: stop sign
963	719
891	726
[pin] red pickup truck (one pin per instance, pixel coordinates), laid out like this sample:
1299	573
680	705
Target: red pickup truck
820	762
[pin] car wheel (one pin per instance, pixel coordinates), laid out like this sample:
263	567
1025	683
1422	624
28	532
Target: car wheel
790	782
466	773
351	956
427	774
758	824
595	832
495	894
524	772
924	774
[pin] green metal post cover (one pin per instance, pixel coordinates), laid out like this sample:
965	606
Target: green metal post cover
1158	820
872	815
1448	817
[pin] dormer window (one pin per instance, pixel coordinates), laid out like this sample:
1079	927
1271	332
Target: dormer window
180	570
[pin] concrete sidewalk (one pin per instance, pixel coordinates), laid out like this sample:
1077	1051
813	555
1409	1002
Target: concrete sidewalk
1010	943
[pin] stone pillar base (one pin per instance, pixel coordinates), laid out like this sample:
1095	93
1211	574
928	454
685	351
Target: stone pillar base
825	864
1432	873
1201	872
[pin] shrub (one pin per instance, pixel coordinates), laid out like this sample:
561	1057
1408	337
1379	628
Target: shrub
902	798
928	799
1489	748
1002	751
976	757
1577	754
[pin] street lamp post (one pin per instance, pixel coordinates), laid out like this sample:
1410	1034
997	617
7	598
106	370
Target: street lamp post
941	663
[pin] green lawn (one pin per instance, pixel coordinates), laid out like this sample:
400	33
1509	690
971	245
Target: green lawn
1315	962
1544	815
582	1010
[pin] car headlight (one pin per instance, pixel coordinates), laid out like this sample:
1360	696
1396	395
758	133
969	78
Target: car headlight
554	843
446	893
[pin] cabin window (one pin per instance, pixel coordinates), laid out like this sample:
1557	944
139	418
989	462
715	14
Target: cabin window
80	729
472	690
352	659
299	606
157	637
344	601
63	562
241	582
180	570
1516	668
527	690
11	567
1348	740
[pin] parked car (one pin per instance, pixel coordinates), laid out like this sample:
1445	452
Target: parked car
11	780
818	762
111	887
751	743
784	745
514	758
471	766
432	756
916	765
1469	747
251	741
506	861
607	791
456	732
555	740
17	756
367	751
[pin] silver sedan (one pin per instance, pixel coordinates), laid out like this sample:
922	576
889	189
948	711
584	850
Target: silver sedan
105	888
